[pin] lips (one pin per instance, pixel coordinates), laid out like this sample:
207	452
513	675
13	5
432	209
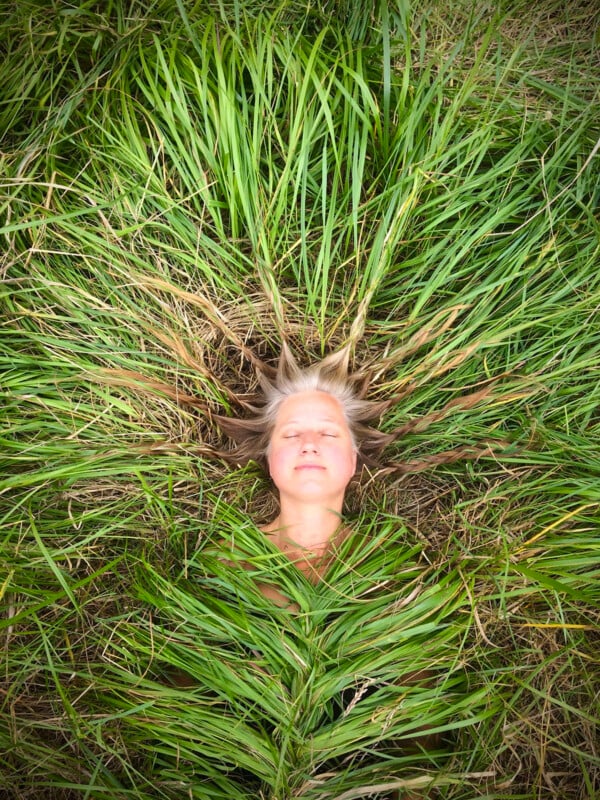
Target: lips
310	467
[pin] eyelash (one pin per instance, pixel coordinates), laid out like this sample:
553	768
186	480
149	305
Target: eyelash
295	435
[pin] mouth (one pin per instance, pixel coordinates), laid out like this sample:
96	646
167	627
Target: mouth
310	467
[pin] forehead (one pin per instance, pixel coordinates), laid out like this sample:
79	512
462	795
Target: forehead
311	406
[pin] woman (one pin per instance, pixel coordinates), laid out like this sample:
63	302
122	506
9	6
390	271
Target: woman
310	436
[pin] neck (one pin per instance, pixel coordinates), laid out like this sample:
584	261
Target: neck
305	528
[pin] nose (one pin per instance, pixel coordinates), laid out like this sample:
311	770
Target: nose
309	443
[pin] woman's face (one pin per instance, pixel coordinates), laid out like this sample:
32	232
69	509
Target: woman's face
311	454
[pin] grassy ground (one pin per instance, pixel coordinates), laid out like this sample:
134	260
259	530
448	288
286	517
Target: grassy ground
184	186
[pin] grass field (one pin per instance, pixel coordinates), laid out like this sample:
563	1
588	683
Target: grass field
185	186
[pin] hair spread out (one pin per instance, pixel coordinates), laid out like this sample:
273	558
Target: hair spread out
252	433
252	436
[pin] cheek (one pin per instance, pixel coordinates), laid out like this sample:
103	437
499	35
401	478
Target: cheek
346	460
351	461
276	460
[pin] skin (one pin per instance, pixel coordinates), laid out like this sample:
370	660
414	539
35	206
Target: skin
311	459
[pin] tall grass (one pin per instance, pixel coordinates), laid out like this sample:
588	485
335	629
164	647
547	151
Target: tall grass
186	186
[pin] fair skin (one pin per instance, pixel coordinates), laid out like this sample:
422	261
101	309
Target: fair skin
311	459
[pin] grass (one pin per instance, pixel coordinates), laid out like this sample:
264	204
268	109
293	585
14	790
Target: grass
183	188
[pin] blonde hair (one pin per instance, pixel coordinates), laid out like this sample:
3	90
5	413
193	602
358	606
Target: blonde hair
252	436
